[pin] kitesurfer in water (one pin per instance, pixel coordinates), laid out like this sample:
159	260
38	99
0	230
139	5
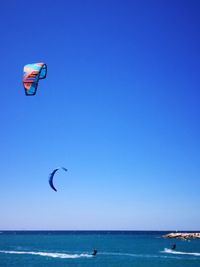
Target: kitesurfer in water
94	253
174	246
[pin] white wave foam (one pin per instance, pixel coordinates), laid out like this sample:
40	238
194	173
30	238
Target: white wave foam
49	254
170	251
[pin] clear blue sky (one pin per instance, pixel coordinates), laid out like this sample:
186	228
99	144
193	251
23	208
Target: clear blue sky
119	108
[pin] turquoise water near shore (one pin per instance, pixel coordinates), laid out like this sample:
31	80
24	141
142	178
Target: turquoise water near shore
115	249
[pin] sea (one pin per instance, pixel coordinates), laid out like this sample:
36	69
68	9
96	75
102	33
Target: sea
114	249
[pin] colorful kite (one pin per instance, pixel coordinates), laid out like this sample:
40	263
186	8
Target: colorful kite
32	74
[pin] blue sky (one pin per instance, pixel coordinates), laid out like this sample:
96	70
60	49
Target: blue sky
119	108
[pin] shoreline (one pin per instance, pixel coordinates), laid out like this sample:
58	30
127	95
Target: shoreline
184	236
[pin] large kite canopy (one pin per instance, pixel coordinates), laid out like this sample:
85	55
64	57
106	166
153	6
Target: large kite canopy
32	74
52	175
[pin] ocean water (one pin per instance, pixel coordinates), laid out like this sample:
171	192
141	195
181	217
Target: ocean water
115	249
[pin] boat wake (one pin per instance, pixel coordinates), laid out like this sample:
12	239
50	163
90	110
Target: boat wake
171	251
49	254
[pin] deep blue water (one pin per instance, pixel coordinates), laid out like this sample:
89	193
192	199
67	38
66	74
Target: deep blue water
115	249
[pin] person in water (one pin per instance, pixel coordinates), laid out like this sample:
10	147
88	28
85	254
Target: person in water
174	246
94	253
